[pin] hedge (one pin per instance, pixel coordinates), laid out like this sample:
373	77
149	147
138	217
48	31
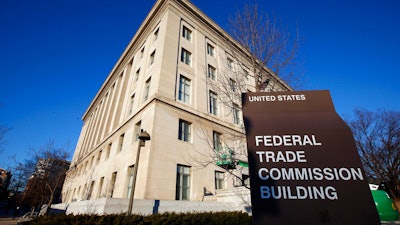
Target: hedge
209	218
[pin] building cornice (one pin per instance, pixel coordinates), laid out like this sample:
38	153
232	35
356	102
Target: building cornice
136	42
152	17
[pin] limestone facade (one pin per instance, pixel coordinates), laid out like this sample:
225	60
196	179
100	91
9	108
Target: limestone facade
164	83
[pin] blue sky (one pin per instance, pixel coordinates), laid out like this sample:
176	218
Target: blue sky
55	55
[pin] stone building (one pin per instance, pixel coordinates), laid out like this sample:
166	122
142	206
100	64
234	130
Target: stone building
170	82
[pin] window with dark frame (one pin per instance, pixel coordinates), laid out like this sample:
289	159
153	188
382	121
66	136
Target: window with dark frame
112	183
186	33
152	56
219	180
232	85
213	103
211	72
235	112
156	34
210	49
217	144
121	141
131	104
130	180
186	57
182	183
147	89
184	89
229	63
100	187
108	150
90	191
137	74
184	130
138	129
141	53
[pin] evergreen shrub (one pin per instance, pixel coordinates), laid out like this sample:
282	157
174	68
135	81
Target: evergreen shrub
206	218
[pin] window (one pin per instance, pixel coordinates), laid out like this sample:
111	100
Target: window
84	192
229	63
235	112
120	78
79	191
213	103
130	180
108	150
91	162
141	53
152	57
219	180
137	74
112	183
147	89
211	72
73	199
184	130
131	104
217	141
138	129
210	50
232	84
90	191
100	187
246	74
184	89
99	156
259	77
156	34
186	57
121	141
186	33
130	63
182	183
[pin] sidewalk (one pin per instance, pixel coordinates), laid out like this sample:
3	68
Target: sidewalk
390	222
8	221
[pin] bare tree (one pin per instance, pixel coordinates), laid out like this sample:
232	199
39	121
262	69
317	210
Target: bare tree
270	43
377	137
44	174
260	57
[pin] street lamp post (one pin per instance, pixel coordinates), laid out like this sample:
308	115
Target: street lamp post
143	137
